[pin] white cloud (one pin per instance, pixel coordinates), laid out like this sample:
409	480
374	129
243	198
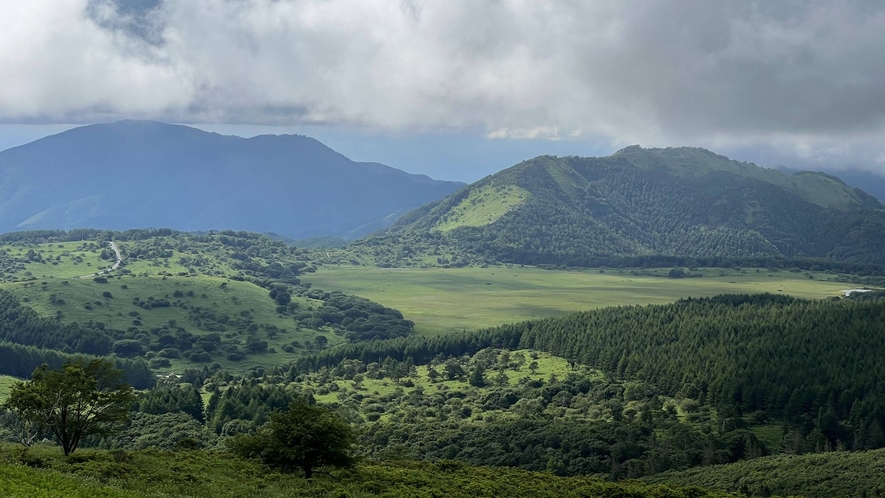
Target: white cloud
656	73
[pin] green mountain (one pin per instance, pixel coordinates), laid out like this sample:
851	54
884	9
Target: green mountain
649	203
136	174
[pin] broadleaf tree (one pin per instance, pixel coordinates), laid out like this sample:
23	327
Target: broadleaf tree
306	437
80	399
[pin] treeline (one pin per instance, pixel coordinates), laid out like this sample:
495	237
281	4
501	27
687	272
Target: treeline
22	325
21	361
816	365
46	236
619	449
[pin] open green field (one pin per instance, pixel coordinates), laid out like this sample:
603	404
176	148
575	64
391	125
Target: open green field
5	383
58	260
441	300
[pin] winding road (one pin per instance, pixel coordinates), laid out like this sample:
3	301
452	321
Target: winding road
116	265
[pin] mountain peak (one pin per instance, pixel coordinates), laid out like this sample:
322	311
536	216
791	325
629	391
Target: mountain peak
134	173
683	202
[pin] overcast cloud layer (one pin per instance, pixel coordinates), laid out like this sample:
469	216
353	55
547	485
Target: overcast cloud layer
799	79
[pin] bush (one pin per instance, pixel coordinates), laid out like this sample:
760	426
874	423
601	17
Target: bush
305	437
128	347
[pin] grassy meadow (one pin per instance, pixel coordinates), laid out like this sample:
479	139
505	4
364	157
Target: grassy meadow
75	259
56	260
442	300
5	383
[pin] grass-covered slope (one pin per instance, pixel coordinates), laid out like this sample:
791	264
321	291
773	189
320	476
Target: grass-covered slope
860	473
227	299
682	202
201	473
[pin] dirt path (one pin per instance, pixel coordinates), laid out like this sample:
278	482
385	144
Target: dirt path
112	268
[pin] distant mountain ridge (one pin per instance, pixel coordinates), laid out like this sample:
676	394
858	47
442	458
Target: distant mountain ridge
686	202
134	174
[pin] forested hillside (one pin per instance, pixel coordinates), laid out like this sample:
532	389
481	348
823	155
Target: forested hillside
642	206
812	366
136	174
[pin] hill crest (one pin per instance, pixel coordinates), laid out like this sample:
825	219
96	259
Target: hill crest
686	202
143	173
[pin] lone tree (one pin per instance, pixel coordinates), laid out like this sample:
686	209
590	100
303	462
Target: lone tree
305	437
80	399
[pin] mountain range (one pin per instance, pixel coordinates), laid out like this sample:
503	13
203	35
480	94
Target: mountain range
676	202
133	174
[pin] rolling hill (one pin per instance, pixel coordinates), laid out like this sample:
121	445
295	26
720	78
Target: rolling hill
133	174
647	203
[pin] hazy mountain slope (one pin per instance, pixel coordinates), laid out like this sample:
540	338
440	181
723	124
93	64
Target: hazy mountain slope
653	202
871	183
137	173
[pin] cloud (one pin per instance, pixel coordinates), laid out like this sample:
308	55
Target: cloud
803	76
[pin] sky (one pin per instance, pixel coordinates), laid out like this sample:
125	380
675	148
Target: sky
459	89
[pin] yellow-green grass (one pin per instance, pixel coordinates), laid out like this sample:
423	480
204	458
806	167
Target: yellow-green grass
62	259
84	300
441	300
5	383
172	265
483	206
770	434
76	259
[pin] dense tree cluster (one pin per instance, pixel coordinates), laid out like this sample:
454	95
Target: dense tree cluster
22	325
20	361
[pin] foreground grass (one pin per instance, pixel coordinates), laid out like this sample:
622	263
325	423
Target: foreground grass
442	300
841	473
43	472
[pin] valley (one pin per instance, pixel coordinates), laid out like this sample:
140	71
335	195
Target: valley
431	249
470	336
441	300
